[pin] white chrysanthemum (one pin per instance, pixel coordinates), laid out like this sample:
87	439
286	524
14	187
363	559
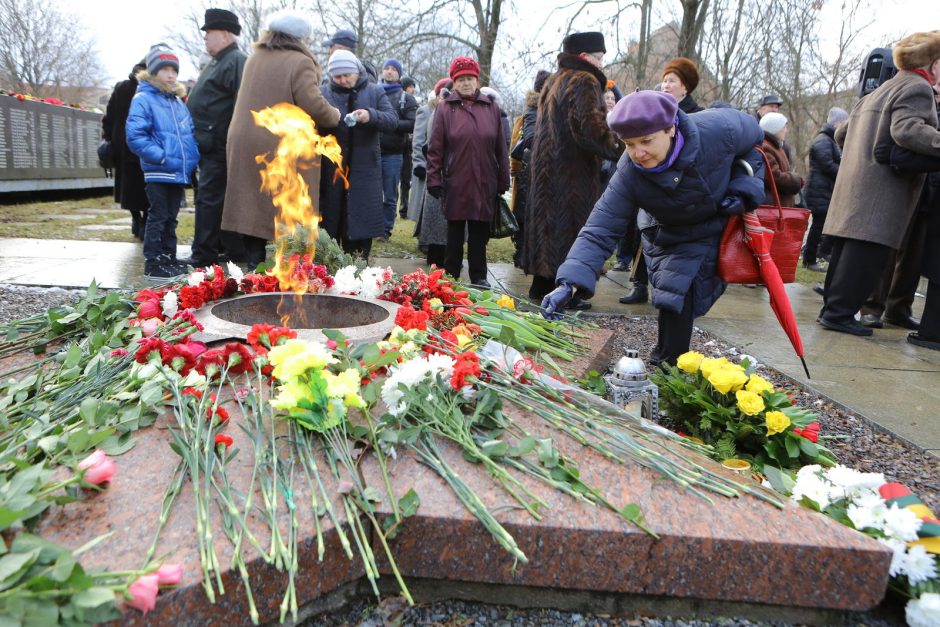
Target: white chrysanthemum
854	482
919	565
392	395
170	304
898	555
923	612
813	488
441	364
372	280
812	469
901	524
234	271
196	278
865	518
345	281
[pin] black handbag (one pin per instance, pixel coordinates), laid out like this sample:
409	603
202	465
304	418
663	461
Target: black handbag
105	155
504	222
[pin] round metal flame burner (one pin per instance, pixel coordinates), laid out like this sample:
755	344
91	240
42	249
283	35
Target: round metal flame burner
359	319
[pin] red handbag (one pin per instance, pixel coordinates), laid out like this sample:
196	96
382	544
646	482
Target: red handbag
736	261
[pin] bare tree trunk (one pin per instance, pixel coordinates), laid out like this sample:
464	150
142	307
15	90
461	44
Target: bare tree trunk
643	42
694	13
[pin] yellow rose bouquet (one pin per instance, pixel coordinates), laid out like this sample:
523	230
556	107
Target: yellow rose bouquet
739	413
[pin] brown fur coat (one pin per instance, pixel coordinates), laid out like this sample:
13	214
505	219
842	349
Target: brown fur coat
570	141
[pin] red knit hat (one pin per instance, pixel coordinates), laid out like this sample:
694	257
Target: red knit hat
441	84
461	66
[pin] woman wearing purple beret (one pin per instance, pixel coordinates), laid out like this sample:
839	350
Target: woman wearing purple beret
680	179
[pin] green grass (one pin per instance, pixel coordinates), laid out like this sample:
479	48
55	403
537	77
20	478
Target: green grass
403	245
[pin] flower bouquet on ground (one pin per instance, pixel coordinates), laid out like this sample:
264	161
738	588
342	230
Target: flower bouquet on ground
888	512
739	413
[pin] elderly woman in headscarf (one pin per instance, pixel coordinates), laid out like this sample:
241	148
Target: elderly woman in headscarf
680	182
788	182
468	168
353	215
280	69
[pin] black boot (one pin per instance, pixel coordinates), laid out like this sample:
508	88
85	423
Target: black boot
640	294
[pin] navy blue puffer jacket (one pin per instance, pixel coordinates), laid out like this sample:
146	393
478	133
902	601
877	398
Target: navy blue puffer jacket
678	210
160	132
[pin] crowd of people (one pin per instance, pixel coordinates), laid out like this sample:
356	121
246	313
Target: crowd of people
650	177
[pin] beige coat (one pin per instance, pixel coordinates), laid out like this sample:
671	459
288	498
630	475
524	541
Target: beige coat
271	77
870	202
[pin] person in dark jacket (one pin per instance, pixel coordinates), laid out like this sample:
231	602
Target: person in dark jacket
393	142
680	181
353	215
680	78
211	104
521	153
468	168
128	177
160	132
571	139
824	159
779	173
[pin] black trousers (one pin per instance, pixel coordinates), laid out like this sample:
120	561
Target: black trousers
437	255
893	297
541	285
675	333
405	182
854	271
358	247
930	321
478	234
812	249
208	239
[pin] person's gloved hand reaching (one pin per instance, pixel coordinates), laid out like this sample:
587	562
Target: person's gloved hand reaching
553	305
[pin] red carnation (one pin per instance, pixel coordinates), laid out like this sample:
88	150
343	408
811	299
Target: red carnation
224	440
238	358
467	365
211	362
151	349
192	297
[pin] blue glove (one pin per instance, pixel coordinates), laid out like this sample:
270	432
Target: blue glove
553	305
731	205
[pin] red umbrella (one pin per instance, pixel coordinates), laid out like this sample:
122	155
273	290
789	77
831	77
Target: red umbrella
758	239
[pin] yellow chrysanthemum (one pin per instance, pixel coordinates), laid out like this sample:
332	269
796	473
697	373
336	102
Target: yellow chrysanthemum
750	403
777	422
727	379
710	364
295	357
506	301
689	362
290	394
758	385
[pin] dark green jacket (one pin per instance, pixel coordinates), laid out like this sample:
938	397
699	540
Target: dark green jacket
212	101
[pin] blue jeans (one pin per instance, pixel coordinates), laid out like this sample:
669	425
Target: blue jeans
160	232
391	177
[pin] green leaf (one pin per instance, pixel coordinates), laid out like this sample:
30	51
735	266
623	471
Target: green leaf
14	565
63	566
526	445
408	504
781	481
93	597
78	441
507	336
809	449
793	447
494	448
9	516
548	456
118	444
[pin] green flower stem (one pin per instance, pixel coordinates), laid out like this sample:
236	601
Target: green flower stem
380	456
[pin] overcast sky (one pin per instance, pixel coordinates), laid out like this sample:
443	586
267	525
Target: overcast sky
125	29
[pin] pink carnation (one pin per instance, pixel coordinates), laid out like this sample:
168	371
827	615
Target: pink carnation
143	593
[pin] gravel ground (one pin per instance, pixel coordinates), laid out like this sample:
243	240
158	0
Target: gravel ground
863	448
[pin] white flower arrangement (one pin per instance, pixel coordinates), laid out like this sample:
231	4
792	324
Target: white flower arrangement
858	494
368	283
409	374
170	304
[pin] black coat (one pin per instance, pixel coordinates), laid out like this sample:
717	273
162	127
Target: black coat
824	159
680	218
356	213
688	105
211	102
128	177
395	140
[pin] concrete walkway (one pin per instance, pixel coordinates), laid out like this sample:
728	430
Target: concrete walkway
892	383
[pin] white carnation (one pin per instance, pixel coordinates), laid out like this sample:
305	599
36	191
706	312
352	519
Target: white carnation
919	565
372	280
901	524
196	278
234	271
923	612
170	304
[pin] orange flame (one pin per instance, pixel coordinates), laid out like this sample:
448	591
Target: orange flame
298	149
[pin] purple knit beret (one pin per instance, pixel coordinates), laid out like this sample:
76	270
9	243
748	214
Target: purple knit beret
642	113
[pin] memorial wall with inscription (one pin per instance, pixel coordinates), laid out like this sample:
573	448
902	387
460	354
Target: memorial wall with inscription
45	143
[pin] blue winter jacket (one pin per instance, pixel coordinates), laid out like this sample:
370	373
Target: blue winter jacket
677	210
160	132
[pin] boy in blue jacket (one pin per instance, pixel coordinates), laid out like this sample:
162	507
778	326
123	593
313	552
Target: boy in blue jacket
160	132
